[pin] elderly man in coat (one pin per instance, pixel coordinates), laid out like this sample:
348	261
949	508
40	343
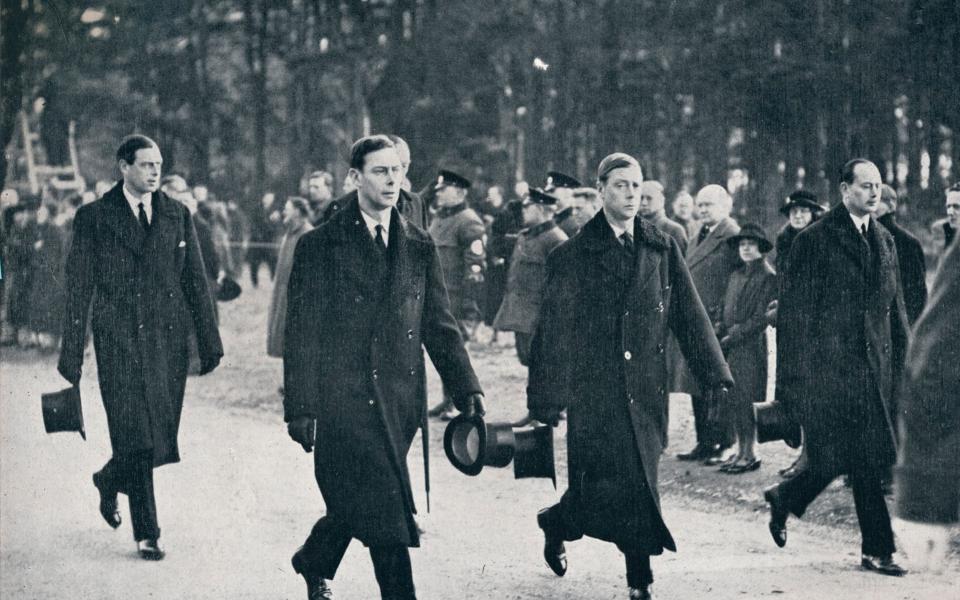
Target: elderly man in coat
928	472
841	340
366	293
614	293
136	252
711	261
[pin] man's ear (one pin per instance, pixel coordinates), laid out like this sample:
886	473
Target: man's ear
353	174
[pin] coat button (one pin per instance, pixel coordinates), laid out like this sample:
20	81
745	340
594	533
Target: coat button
626	313
661	390
660	348
358	299
659	307
375	374
413	372
371	402
170	294
409	334
630	398
627	355
140	326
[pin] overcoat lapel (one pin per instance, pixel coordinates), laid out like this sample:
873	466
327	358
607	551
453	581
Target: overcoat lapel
120	219
717	235
850	239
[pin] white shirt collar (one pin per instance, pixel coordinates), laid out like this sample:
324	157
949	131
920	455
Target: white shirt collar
381	218
859	221
618	231
134	201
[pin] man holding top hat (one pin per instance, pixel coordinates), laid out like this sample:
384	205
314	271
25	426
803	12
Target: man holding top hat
459	235
521	302
136	258
613	292
365	296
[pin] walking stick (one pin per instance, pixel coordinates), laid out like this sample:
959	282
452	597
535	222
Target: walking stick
425	437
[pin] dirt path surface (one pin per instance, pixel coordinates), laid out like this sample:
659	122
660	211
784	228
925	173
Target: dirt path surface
244	498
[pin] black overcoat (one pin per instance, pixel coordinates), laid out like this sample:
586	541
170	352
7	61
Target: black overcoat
841	337
353	360
913	268
148	290
599	351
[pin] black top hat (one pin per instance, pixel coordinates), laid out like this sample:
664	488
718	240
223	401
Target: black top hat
752	232
774	423
801	198
555	179
471	444
450	178
228	290
538	196
62	411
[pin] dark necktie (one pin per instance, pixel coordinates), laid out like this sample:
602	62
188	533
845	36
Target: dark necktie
142	217
704	232
627	240
863	230
381	244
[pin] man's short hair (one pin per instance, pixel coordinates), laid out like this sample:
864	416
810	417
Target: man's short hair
302	206
847	172
617	160
367	145
326	177
127	152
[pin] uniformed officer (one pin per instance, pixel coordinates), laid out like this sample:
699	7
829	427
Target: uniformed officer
562	187
459	235
521	302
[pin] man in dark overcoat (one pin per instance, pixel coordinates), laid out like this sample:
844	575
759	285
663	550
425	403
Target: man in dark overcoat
365	295
135	256
614	293
841	338
711	261
913	268
928	471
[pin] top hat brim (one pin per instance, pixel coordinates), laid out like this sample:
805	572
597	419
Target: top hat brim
464	441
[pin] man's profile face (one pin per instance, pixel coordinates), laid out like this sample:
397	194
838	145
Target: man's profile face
800	216
143	176
651	200
862	196
318	190
378	182
621	192
953	208
713	206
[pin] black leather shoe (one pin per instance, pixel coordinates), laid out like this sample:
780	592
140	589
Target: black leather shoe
778	516
108	502
882	564
317	589
640	593
554	552
698	453
150	550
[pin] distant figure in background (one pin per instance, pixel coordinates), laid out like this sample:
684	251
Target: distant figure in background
263	235
928	471
683	211
711	261
502	237
320	195
588	203
948	227
46	282
561	186
102	187
296	222
21	237
238	231
652	208
742	332
136	272
913	268
528	271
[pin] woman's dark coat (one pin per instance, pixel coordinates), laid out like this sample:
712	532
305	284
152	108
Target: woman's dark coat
841	337
352	359
148	290
742	332
47	281
599	351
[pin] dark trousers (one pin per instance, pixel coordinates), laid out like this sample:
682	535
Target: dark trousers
560	520
710	430
133	475
875	532
257	257
321	554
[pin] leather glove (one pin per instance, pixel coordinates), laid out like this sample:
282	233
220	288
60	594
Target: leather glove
472	405
547	416
302	430
209	364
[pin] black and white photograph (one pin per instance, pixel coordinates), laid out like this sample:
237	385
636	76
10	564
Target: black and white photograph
480	299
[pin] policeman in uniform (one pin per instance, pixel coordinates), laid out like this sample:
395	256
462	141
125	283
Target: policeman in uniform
521	302
562	188
459	235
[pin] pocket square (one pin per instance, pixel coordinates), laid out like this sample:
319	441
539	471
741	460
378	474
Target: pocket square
182	244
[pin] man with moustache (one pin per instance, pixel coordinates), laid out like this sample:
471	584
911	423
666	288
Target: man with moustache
711	261
613	292
365	296
521	302
135	257
841	338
